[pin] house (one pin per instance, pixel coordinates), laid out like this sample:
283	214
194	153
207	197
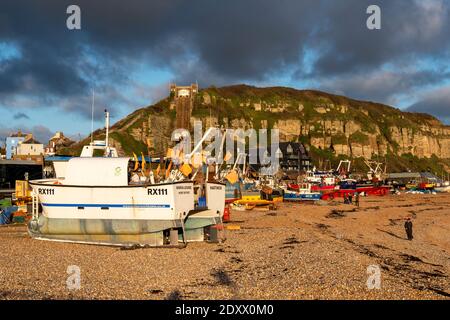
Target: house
11	144
57	142
292	157
29	147
24	147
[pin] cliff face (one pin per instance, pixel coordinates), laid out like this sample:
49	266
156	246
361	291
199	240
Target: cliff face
349	127
322	121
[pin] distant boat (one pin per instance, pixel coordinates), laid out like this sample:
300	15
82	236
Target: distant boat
314	187
304	193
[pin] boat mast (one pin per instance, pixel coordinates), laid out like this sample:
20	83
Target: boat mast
107	132
92	117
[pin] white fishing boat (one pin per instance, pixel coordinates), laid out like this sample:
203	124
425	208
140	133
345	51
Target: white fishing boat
95	203
98	202
322	177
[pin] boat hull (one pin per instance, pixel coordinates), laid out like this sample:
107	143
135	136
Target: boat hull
129	215
323	189
292	196
120	232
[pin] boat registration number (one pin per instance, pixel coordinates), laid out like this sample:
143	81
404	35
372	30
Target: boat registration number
46	191
157	192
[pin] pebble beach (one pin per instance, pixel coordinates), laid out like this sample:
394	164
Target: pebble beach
298	251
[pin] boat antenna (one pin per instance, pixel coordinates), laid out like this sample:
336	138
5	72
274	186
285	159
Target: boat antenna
92	116
107	131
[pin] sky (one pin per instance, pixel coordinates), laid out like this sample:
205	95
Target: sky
128	52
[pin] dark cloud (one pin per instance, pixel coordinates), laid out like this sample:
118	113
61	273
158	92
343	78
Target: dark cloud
215	43
410	30
20	115
383	85
435	102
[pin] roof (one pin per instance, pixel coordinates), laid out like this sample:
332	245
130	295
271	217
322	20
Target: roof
31	140
15	138
429	175
20	162
404	175
413	175
297	148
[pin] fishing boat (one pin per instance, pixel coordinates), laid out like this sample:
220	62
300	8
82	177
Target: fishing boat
322	188
320	177
98	201
303	193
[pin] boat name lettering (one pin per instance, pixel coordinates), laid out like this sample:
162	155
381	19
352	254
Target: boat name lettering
183	187
157	192
46	191
216	187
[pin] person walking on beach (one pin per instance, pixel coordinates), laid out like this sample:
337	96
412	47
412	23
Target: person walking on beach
409	228
350	198
357	199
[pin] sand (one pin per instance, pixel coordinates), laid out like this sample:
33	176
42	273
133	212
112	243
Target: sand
299	251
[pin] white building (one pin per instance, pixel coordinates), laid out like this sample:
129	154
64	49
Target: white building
30	147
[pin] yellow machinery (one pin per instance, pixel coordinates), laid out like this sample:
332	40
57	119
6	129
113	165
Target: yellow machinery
21	197
23	192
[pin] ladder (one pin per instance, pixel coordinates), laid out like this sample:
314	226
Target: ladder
35	205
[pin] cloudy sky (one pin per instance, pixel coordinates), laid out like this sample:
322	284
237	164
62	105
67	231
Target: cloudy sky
128	52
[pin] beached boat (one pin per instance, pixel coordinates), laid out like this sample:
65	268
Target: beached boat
304	193
323	188
102	200
320	177
98	203
314	187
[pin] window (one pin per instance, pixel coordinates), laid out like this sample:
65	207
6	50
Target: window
289	149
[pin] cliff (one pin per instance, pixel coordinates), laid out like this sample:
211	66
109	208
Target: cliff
331	126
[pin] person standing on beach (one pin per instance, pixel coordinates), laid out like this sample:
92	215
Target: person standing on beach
350	198
409	228
357	199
